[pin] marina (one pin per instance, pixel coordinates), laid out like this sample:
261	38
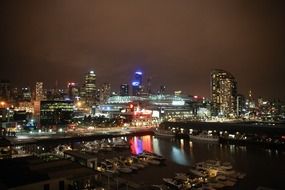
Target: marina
131	161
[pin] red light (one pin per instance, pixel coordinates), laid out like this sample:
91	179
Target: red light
131	106
195	97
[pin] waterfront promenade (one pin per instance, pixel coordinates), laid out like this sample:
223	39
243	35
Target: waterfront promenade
231	127
81	134
73	136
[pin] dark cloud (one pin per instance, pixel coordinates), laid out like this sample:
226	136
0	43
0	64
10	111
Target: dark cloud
177	43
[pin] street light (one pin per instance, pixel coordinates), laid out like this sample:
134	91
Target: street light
79	104
2	103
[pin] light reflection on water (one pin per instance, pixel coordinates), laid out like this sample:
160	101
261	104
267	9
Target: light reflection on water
156	147
179	156
151	144
140	144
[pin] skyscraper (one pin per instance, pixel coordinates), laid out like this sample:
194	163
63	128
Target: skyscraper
90	87
137	83
124	90
38	98
39	91
223	92
73	90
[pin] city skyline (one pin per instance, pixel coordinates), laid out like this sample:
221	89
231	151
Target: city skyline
117	89
177	44
142	94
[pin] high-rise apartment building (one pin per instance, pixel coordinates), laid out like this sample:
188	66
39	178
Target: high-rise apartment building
39	94
223	92
39	91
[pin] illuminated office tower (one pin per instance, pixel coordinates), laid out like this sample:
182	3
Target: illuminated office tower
137	83
56	112
90	87
223	92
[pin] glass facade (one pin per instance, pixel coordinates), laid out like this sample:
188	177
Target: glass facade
90	87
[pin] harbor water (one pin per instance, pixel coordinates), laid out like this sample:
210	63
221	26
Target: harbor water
263	167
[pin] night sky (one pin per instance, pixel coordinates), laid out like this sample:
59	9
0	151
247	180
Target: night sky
175	42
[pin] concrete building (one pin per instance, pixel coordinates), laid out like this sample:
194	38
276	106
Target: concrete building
56	112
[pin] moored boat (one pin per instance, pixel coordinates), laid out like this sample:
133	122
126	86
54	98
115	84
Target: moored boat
204	137
163	133
172	183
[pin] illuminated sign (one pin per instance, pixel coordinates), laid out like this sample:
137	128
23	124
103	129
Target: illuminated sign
139	73
178	103
135	83
155	113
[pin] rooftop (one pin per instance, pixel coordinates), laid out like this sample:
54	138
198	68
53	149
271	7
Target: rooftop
28	170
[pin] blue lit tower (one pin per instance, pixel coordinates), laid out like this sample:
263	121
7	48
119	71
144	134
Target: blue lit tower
137	83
